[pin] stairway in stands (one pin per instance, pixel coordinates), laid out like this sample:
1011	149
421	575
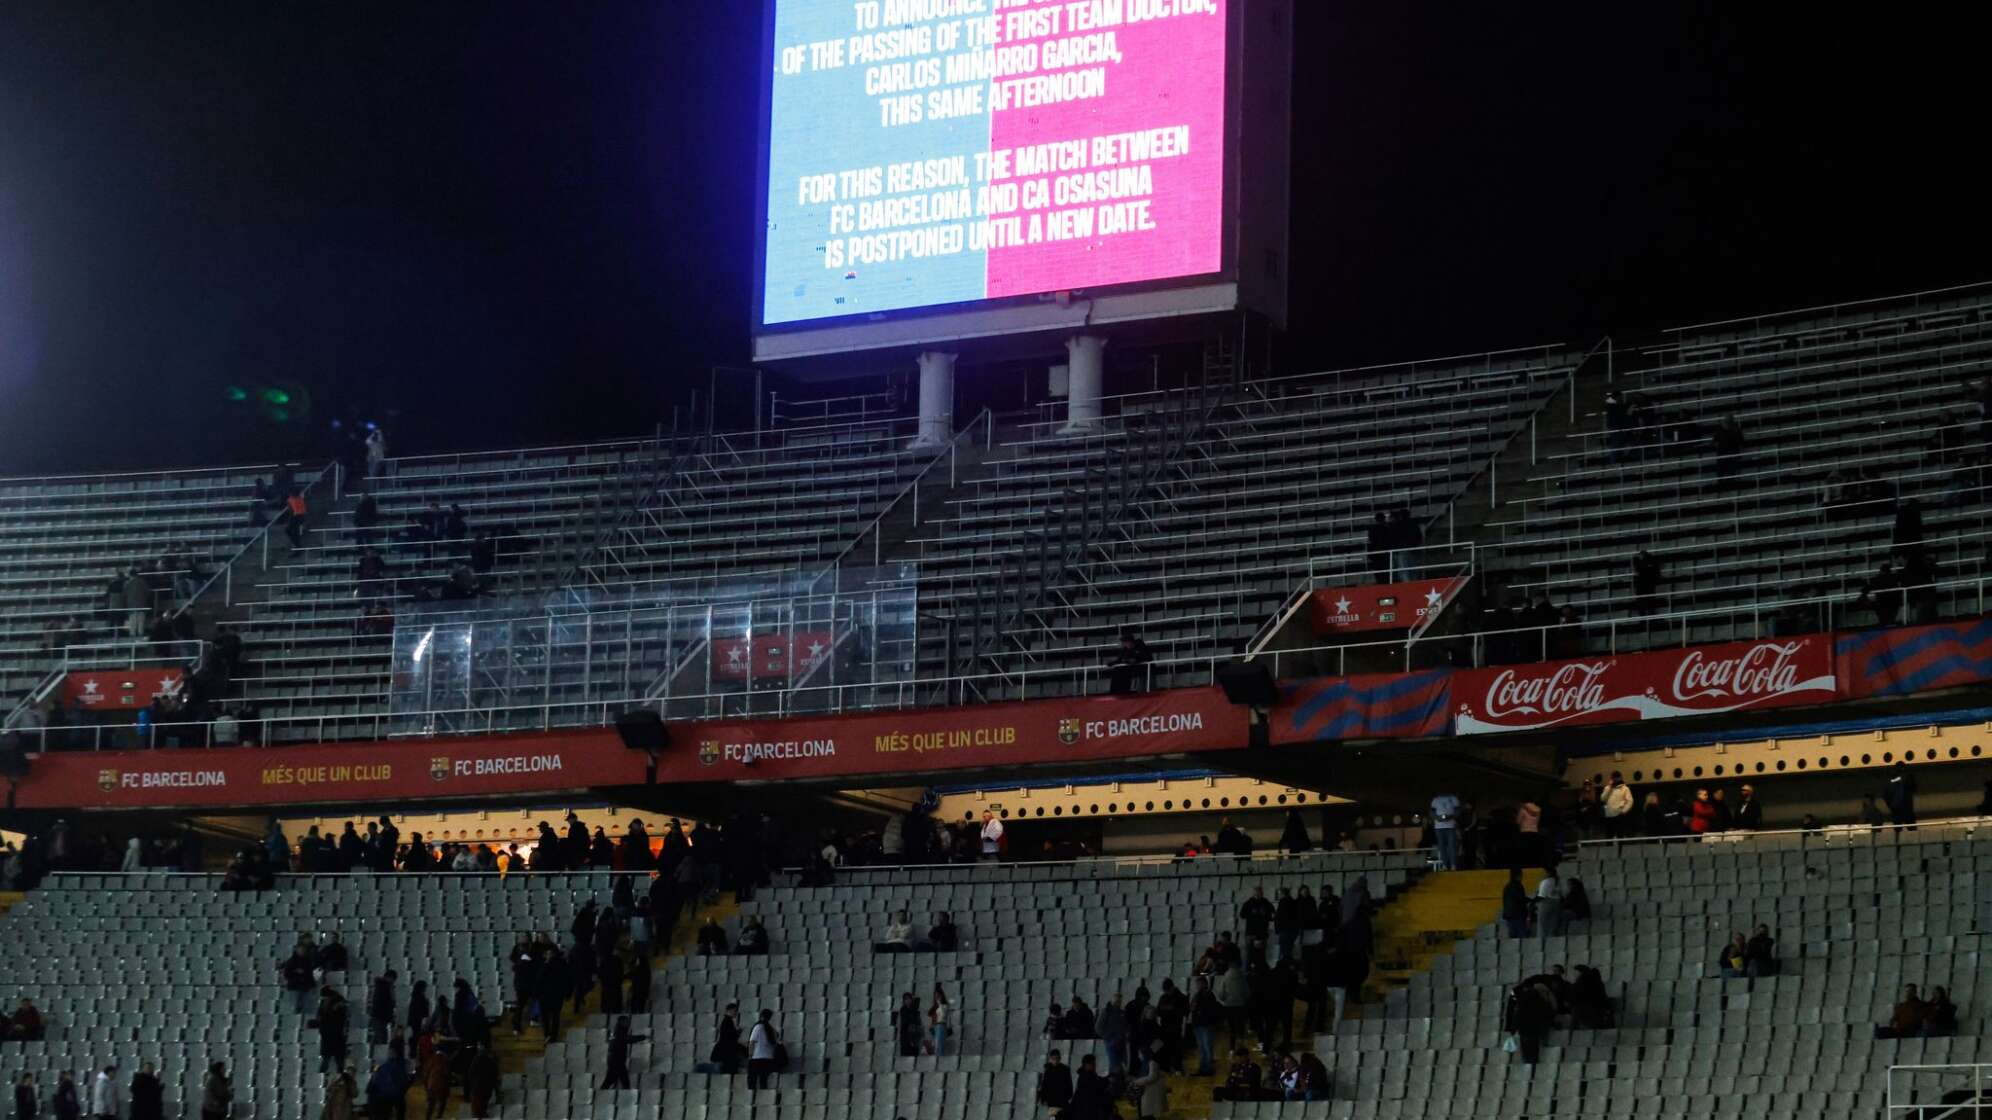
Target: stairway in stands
1426	921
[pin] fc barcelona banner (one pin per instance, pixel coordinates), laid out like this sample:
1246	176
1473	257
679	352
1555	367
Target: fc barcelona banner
1698	681
1910	659
1018	734
398	770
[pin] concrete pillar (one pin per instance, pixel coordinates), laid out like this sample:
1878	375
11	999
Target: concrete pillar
937	372
1086	361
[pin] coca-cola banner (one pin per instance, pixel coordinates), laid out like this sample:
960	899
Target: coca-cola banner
1704	680
1381	606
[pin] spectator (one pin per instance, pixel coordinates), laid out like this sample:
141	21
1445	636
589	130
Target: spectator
1257	917
381	1006
298	978
341	1094
1151	1095
1242	1083
1576	902
1590	1006
1234	997
1206	1013
1939	1015
907	1025
1549	906
753	938
726	1049
1172	1009
331	957
1871	814
1646	576
1054	1024
1734	959
387	1089
555	985
619	1044
898	935
1231	840
938	1022
1529	1015
435	1069
1723	818
1749	815
1054	1088
1376	548
331	1018
1092	1098
1286	923
1129	673
148	1095
218	1093
1113	1031
942	937
419	1008
1760	955
1445	830
1900	795
1515	905
106	1098
1703	819
1314	1078
763	1049
1294	838
1653	817
1907	1022
66	1104
376	453
992	836
1079	1020
712	939
480	1080
27	1102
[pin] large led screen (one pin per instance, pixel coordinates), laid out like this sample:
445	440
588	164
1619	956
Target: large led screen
928	152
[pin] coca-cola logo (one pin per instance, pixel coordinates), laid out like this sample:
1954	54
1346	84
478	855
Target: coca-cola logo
1761	670
1572	688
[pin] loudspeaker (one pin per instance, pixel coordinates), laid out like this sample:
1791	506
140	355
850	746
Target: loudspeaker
642	729
1249	683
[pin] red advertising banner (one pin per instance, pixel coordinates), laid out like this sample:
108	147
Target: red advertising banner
1380	606
367	772
771	657
104	689
1018	734
1704	680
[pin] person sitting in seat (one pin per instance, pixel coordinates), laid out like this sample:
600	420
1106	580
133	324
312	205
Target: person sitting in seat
1054	1024
1907	1022
898	935
1242	1084
26	1025
712	939
942	937
1939	1015
1129	674
1761	954
753	938
1733	959
1590	1004
1079	1020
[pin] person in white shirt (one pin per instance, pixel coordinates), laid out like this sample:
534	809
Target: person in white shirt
761	1044
898	935
1618	806
992	836
1445	830
106	1099
376	452
1549	906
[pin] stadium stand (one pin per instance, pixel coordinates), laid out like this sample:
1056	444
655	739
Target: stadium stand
168	968
1858	913
1033	935
656	524
1847	416
1263	489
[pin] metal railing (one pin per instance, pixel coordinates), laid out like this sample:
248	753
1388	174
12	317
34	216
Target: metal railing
225	575
1940	1092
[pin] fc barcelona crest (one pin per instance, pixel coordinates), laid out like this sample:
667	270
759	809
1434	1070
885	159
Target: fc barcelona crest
709	751
1068	731
439	768
107	780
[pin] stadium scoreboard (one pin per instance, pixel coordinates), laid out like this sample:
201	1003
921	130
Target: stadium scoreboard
941	170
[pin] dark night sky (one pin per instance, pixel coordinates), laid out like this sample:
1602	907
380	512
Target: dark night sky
518	222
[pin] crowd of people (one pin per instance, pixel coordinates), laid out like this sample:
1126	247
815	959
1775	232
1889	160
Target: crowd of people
1551	999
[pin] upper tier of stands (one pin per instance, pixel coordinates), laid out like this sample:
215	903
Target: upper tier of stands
1268	486
1892	392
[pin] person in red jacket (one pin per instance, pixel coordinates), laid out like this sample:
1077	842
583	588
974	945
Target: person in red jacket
1701	818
